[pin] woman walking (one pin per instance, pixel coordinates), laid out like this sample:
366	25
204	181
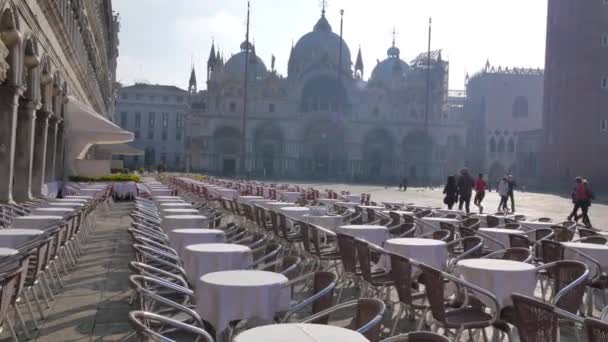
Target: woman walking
503	191
480	192
451	192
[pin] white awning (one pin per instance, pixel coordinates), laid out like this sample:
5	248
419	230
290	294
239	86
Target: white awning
85	128
121	149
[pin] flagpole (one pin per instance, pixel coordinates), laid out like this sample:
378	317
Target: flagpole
244	117
427	144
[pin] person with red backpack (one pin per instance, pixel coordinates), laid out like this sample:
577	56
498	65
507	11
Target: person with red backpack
581	197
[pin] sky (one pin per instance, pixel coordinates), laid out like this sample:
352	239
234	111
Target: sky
161	39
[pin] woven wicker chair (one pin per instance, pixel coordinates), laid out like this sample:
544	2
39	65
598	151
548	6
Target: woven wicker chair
287	266
418	336
320	297
367	319
142	321
472	223
598	240
403	230
377	281
535	320
513	226
449	227
401	273
585	232
597	331
562	234
348	256
515	254
492	221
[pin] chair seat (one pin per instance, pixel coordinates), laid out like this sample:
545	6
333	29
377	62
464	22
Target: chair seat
382	279
470	318
600	283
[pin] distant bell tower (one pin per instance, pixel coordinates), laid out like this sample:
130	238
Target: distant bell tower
192	82
359	66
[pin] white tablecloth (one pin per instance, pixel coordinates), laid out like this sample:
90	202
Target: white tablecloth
594	251
347	204
160	192
178	211
355	198
372	234
79	197
82	201
250	199
331	222
15	238
275	206
64	212
295	213
532	225
173	205
5	252
499	234
180	238
427	251
328	201
291	196
226	193
74	205
450	212
35	222
500	277
200	259
89	191
184	221
236	295
300	333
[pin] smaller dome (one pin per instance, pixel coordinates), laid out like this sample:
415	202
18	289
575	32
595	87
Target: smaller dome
256	68
322	25
246	46
393	52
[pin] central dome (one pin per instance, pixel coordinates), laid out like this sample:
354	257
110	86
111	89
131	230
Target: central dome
319	45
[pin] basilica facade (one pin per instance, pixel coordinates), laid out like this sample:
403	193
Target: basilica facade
325	120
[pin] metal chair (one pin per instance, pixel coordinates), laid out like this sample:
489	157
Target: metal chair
142	321
534	319
418	336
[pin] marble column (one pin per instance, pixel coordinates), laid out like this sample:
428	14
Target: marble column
60	151
9	95
51	150
24	151
40	140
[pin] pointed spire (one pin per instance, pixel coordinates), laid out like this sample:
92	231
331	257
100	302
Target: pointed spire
359	64
323	4
211	59
192	81
487	64
394	35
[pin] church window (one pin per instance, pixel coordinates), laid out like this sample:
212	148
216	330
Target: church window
501	146
203	106
492	145
232	107
137	120
271	108
180	99
520	107
604	125
605	39
604	82
511	146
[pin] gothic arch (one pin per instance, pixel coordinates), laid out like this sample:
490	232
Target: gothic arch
497	171
31	63
268	147
323	149
511	146
418	149
378	155
501	146
12	39
492	145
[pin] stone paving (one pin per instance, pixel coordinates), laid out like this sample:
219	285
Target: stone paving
93	305
532	204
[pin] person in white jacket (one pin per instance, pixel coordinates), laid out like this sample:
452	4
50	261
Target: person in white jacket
503	191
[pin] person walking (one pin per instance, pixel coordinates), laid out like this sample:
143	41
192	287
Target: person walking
451	192
480	192
465	190
512	185
581	197
503	192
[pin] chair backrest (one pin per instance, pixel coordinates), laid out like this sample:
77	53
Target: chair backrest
472	242
472	223
368	311
348	252
418	336
405	229
515	254
492	221
142	321
597	331
364	256
564	273
513	226
442	235
562	234
519	241
323	280
395	219
434	288
449	227
551	251
401	272
466	232
536	321
598	240
585	232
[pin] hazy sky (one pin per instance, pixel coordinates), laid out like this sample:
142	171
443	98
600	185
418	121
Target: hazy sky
159	39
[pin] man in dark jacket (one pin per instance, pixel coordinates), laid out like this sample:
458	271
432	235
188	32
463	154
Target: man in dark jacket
465	189
512	186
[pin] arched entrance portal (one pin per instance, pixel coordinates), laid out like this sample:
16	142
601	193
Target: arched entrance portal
379	156
323	151
268	149
418	156
227	151
497	171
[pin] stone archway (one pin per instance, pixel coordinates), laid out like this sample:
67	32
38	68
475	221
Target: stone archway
268	149
497	171
227	149
418	150
378	156
323	150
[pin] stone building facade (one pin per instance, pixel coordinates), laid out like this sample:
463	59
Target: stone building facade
324	120
503	111
156	115
50	51
576	94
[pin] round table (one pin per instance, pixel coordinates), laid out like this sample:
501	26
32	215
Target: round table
174	205
15	238
594	251
370	233
166	197
533	225
235	295
331	222
160	192
178	211
180	238
65	204
184	221
500	277
298	332
226	193
59	211
36	222
250	199
349	205
355	198
200	259
75	197
427	251
327	201
295	213
499	234
5	252
274	206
